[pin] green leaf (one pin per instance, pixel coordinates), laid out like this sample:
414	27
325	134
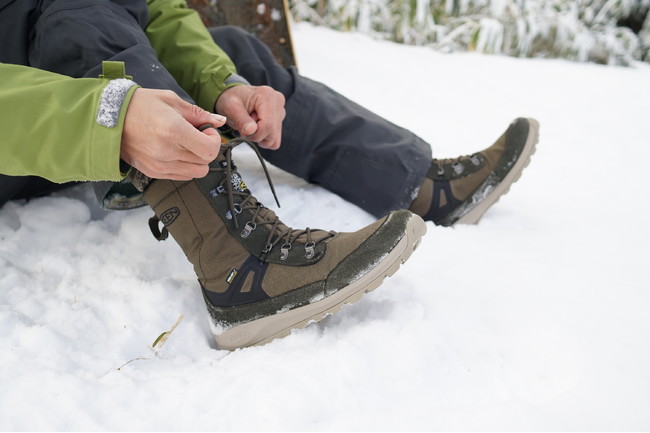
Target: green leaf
160	337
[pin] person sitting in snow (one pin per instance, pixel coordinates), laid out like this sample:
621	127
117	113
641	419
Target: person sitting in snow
71	113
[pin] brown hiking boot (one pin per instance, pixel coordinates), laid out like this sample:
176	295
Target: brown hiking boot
261	278
461	190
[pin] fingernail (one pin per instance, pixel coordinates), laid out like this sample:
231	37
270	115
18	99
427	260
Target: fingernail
219	118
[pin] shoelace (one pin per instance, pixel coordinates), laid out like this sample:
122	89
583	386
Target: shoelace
261	216
226	149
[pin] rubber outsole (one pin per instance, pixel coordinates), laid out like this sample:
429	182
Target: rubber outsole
476	213
266	329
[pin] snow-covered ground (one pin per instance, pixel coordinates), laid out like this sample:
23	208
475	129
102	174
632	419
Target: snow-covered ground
538	318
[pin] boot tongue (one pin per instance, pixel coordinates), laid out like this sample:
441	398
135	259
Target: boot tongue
245	199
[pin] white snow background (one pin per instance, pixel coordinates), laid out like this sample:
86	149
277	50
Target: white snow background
538	318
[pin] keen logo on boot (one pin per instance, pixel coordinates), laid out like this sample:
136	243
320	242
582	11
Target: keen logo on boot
169	216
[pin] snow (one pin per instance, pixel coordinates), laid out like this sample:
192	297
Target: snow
534	319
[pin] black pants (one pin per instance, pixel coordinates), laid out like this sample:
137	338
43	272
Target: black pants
327	139
17	187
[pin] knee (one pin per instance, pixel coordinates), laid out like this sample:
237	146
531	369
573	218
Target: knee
136	10
234	40
252	58
229	34
70	37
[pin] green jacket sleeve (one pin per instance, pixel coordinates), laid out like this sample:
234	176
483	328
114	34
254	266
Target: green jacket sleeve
61	128
184	46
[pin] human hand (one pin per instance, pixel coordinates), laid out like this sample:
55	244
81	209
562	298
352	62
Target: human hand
256	112
160	137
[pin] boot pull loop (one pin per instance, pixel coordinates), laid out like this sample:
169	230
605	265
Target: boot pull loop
154	226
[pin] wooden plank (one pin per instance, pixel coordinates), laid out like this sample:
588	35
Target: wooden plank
266	19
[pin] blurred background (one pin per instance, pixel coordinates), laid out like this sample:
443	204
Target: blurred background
613	32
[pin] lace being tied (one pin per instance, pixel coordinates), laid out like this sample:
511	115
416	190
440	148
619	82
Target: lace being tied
240	199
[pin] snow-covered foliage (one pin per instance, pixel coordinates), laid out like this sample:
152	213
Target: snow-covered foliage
582	30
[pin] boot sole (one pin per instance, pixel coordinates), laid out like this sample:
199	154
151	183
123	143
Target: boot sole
475	215
264	330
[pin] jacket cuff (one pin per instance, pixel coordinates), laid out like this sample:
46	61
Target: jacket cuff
112	100
236	79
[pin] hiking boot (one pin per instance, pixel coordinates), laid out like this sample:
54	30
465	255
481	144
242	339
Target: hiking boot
461	190
260	278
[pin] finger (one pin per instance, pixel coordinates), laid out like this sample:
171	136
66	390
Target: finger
175	170
187	170
196	115
186	174
240	119
273	144
269	116
270	144
183	155
262	133
212	132
269	135
205	146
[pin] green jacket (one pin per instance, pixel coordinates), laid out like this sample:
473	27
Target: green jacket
55	127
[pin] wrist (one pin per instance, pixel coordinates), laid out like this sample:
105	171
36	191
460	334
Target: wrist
233	80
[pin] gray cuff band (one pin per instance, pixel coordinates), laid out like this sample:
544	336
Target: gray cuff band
236	79
111	101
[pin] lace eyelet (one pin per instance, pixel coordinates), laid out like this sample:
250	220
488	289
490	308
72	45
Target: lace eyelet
284	251
248	228
237	209
309	250
216	191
